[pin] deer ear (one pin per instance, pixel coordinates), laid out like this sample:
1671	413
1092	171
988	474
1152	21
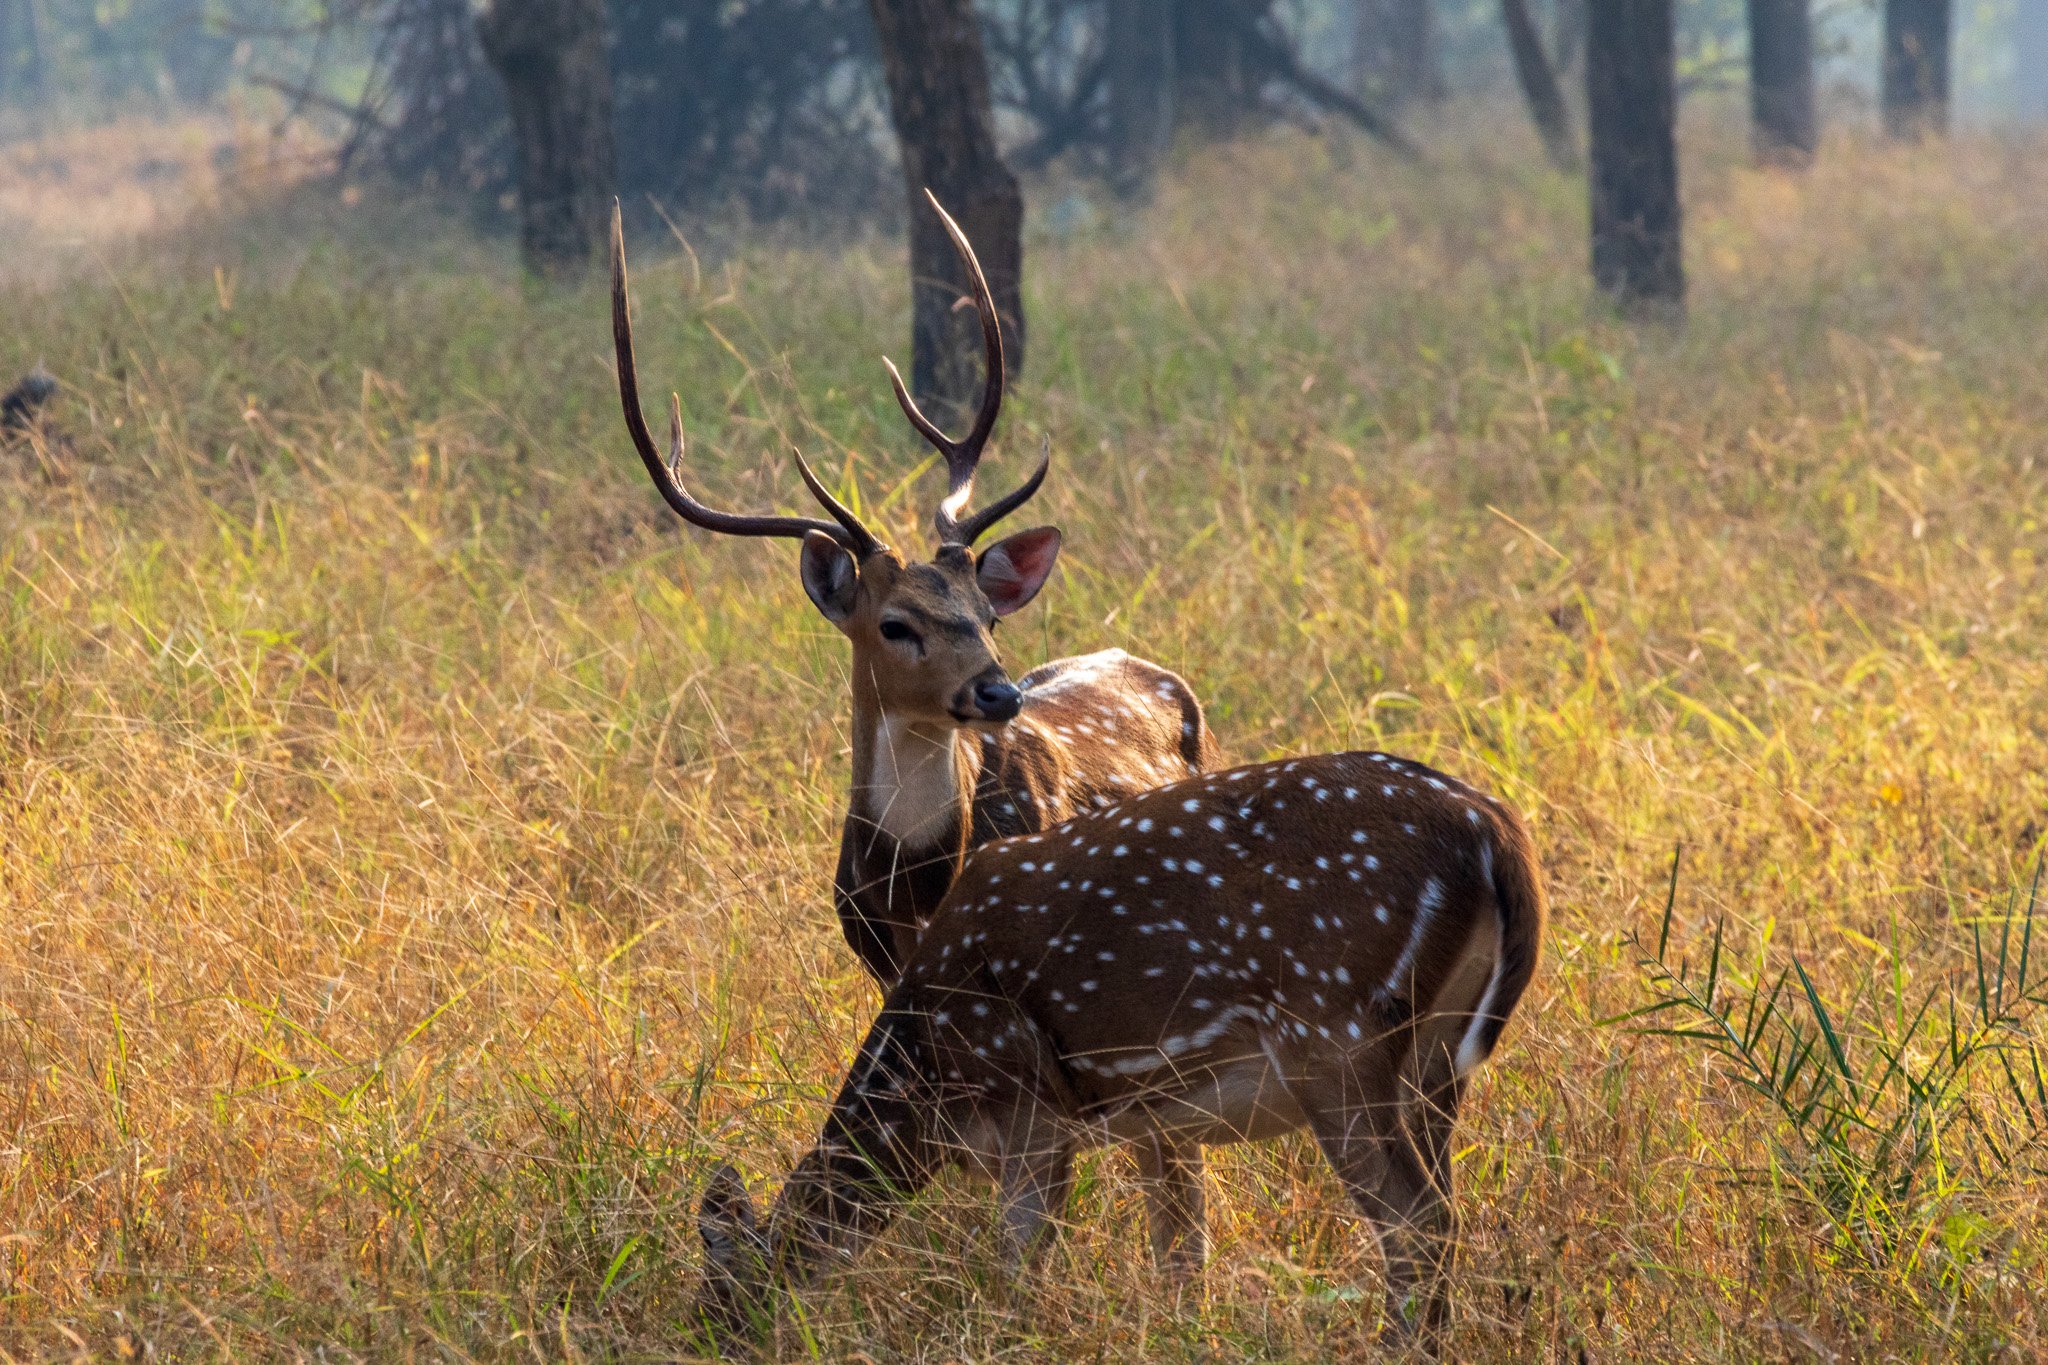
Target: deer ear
725	1217
1012	570
830	576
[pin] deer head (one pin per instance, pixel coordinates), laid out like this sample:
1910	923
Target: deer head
922	632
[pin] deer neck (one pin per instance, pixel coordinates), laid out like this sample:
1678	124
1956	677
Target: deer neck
912	780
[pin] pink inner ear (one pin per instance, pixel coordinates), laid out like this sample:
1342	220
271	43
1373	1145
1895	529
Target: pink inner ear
1013	571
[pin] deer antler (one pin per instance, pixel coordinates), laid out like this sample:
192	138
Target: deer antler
964	455
845	527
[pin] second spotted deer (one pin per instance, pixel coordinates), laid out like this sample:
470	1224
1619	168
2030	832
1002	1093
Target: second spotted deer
1332	943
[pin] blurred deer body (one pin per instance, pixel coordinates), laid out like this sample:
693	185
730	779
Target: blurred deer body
20	404
1332	942
948	752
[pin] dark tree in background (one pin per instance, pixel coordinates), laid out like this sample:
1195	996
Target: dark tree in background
1138	43
772	106
757	110
1214	85
1783	126
945	127
558	84
1568	37
1395	58
1631	112
1540	89
1915	88
1113	82
446	129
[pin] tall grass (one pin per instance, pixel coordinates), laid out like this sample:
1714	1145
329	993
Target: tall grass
413	850
1947	1097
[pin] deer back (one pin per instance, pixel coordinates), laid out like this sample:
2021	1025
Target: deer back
1328	901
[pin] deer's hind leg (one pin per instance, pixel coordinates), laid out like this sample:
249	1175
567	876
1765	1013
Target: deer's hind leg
1170	1172
1394	1161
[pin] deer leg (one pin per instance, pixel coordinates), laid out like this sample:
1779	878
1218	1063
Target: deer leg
1035	1184
1433	1113
1170	1171
1394	1161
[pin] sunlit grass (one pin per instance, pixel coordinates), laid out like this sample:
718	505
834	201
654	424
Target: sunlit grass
413	852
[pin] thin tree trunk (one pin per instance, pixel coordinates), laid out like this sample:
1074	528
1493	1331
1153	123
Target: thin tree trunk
551	55
945	125
1631	106
1395	57
1915	90
1139	37
1783	127
1539	85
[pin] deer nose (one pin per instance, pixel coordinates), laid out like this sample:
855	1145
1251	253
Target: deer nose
998	699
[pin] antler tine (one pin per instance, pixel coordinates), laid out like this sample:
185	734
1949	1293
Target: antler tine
848	530
993	377
864	539
962	456
971	529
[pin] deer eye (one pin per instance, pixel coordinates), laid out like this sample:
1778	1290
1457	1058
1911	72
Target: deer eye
895	630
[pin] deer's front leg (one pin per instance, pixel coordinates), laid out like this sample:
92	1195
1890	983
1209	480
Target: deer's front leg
1035	1184
879	943
1171	1172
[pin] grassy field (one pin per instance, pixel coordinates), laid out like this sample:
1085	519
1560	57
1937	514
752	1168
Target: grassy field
413	849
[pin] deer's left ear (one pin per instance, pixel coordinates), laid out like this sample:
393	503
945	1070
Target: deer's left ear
1012	570
831	578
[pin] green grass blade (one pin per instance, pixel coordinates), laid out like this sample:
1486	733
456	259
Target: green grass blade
1826	1022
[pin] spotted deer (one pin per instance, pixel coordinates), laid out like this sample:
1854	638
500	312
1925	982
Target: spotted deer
1332	942
948	752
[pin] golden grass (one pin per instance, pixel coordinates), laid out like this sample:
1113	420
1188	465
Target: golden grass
413	853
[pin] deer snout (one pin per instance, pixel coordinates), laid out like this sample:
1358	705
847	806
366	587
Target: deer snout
995	698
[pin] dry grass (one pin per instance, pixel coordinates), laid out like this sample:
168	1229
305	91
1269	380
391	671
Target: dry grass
413	853
69	195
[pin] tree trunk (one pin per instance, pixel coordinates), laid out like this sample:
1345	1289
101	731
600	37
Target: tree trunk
551	55
1212	79
1139	39
945	126
1539	85
1914	97
1783	127
1631	107
1568	37
1395	59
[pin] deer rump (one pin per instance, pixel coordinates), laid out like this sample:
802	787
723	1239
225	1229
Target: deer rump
1333	942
